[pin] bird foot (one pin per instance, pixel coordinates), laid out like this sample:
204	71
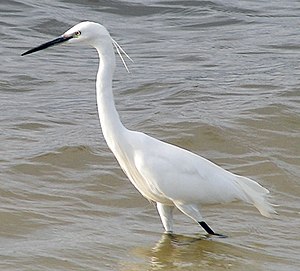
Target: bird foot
209	230
219	235
168	232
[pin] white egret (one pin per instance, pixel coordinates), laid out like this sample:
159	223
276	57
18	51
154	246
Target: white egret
163	173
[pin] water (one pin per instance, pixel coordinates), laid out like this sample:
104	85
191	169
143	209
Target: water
220	78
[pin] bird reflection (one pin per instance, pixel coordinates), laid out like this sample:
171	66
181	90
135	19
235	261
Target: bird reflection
177	250
181	252
197	252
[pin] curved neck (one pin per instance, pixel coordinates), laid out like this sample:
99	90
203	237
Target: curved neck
109	118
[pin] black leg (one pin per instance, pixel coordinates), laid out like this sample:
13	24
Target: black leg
209	230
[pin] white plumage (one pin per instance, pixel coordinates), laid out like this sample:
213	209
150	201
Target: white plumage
161	172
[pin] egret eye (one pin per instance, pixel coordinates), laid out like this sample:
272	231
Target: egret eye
77	34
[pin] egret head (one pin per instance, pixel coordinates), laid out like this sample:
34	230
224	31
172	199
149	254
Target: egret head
84	32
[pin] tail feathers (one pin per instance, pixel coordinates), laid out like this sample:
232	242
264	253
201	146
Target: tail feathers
257	195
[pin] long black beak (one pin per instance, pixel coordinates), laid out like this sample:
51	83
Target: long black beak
51	43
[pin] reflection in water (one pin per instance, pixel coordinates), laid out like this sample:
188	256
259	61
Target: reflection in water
175	251
179	252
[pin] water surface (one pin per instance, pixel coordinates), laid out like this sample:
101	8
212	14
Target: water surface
220	78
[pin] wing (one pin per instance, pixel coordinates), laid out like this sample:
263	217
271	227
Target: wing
180	175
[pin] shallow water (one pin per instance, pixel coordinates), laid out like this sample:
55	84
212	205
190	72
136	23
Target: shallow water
220	79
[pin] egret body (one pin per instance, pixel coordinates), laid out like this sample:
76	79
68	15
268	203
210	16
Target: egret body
163	173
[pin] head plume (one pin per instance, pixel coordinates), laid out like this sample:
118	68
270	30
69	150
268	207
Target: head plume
120	50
